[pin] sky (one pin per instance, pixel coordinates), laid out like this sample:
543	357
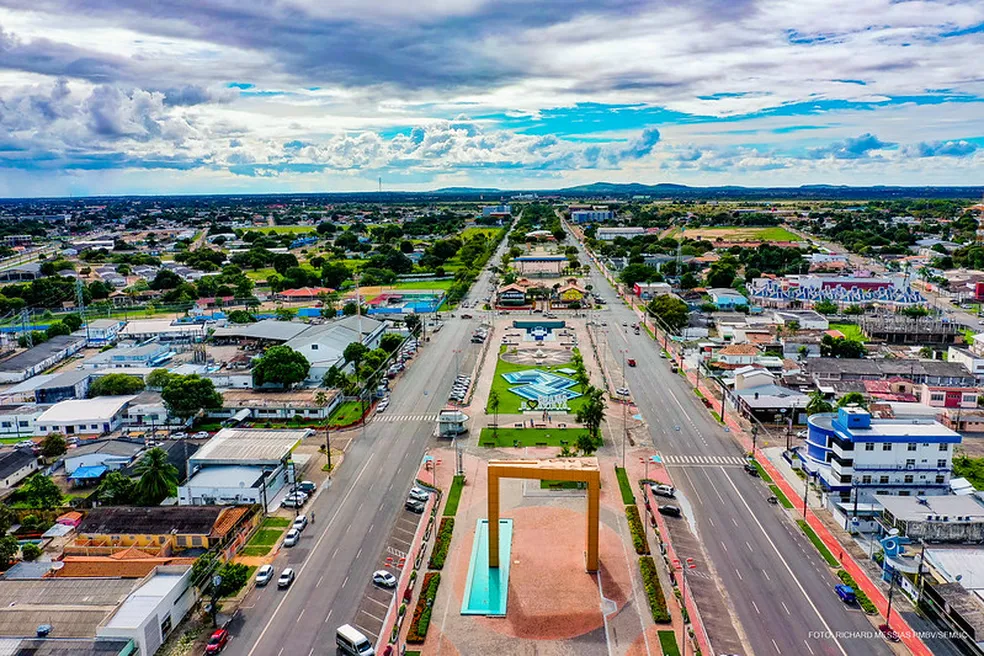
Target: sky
217	96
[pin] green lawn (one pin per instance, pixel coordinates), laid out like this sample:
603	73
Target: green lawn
668	643
276	522
561	485
282	229
443	285
345	414
513	404
454	496
818	543
265	537
469	232
851	331
786	503
624	486
531	436
259	274
762	473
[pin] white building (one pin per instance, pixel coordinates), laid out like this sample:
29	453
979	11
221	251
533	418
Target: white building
19	420
84	416
150	613
165	330
111	454
43	356
806	319
592	216
324	345
103	331
610	233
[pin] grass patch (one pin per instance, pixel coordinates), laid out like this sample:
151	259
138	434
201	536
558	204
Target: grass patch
471	232
667	642
762	473
863	601
259	274
422	611
637	530
265	537
454	496
561	485
530	436
851	331
654	590
441	544
741	233
818	543
443	285
970	468
624	486
512	404
786	503
255	552
345	414
276	522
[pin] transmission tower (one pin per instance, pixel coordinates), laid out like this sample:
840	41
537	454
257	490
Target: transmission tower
26	327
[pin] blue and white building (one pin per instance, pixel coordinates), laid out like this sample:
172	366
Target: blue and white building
592	216
851	450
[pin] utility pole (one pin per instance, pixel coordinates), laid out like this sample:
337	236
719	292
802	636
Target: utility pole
80	301
891	592
806	491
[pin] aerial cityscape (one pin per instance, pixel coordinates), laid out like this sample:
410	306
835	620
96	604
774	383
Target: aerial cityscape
470	328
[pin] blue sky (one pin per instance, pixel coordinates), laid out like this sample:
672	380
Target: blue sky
200	96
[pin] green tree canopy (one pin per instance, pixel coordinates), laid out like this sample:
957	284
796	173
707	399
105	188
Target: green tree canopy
670	310
53	445
41	492
281	365
158	378
852	398
186	396
117	489
158	477
817	403
241	316
116	385
592	411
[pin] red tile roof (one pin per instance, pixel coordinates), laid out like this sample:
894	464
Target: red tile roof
306	292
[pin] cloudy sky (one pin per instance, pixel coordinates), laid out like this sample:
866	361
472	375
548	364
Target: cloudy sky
120	96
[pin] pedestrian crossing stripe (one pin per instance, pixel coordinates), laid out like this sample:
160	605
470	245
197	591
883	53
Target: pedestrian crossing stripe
722	461
398	418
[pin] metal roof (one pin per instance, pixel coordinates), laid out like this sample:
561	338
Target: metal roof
235	446
35	356
77	411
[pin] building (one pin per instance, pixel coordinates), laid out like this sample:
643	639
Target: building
268	331
939	396
851	451
497	210
123	356
571	293
772	404
84	416
16	465
43	356
164	330
61	387
19	421
736	355
304	294
150	613
973	362
650	290
611	233
240	466
727	299
592	216
323	345
948	518
805	319
278	405
158	529
750	376
109	454
103	331
511	296
544	266
73	608
824	371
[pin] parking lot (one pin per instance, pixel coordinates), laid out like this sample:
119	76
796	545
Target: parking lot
376	600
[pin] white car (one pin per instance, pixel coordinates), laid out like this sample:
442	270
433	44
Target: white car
622	391
293	536
26	444
384	579
382	406
180	435
264	575
419	493
200	435
286	578
300	522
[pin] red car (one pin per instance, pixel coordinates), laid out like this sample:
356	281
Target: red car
631	362
217	642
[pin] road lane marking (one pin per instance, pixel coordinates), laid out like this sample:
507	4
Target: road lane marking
322	578
359	554
789	569
334	553
724	546
755	606
716	491
734	521
301	614
345	581
317	544
768	577
779	651
749	546
808	645
693	487
330	611
786	608
740	577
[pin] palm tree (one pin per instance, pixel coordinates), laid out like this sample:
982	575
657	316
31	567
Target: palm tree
494	405
592	412
158	477
818	403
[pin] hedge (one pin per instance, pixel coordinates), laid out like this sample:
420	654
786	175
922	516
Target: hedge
623	484
637	530
862	598
654	590
422	611
441	544
454	496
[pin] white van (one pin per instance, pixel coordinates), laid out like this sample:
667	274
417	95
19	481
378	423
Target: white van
350	641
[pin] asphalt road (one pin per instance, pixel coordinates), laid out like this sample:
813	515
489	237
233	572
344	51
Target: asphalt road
337	555
778	584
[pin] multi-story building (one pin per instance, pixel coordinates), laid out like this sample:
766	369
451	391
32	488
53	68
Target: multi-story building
592	216
852	452
609	234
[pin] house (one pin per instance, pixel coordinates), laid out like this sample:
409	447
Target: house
304	294
571	293
512	295
103	331
772	403
544	266
751	376
240	466
649	290
972	361
736	355
127	355
323	345
161	529
941	396
932	372
852	451
16	465
109	454
84	416
727	299
43	356
943	518
68	385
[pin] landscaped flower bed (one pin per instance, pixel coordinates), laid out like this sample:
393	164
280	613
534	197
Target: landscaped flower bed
654	590
637	530
441	544
422	611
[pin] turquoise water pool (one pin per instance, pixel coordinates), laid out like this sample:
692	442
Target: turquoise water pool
487	588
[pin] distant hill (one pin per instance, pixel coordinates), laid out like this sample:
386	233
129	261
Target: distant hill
467	190
735	192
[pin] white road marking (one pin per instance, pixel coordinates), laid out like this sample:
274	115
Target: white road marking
740	577
317	544
734	521
808	646
716	491
789	569
330	611
769	578
779	651
344	582
755	606
786	608
359	554
749	546
322	578
724	546
301	614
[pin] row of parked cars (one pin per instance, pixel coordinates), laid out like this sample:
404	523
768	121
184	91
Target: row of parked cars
298	496
459	390
417	499
480	335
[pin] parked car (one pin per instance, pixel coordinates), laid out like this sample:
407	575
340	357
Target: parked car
286	578
381	407
622	391
300	522
670	511
307	487
384	579
301	496
291	503
200	435
26	444
751	469
631	362
419	493
218	641
846	593
293	536
180	435
664	490
264	575
466	316
414	506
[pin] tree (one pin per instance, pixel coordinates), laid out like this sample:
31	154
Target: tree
688	280
165	279
284	261
412	322
841	348
854	309
7	517
354	353
73	321
634	273
494	403
817	404
592	412
586	444
158	477
281	365
56	329
285	314
390	342
670	310
116	385
852	398
241	316
8	549
721	275
158	378
825	307
41	492
53	445
30	551
186	396
117	489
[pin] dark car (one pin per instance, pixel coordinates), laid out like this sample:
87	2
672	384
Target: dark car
846	593
217	642
751	469
670	511
414	506
888	632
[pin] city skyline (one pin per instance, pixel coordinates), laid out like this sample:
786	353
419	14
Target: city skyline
209	97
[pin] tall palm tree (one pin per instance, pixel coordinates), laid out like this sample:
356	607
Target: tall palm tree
817	403
494	402
158	477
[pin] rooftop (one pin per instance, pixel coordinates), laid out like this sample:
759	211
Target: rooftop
161	326
66	379
232	446
914	509
150	520
110	447
76	411
226	476
145	599
35	356
269	329
15	460
73	607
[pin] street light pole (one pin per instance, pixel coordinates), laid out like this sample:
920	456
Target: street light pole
891	592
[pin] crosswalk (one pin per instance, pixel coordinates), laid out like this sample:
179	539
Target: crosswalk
401	418
698	460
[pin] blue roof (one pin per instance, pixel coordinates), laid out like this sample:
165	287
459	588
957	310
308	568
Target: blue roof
94	471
